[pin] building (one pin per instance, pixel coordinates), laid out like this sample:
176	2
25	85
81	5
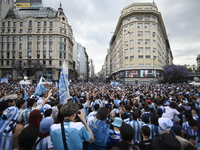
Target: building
84	64
39	33
91	70
198	62
139	47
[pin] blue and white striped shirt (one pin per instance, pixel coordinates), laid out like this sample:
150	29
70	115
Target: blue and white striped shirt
153	130
137	126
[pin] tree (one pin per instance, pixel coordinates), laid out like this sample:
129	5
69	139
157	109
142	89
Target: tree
33	65
175	73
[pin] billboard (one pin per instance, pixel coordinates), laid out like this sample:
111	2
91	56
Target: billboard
132	74
23	5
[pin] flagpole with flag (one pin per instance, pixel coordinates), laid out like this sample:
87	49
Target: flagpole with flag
40	87
63	84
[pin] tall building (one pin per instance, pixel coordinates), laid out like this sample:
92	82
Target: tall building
39	33
139	47
198	61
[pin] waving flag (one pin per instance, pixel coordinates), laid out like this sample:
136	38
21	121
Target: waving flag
4	80
40	87
63	84
198	132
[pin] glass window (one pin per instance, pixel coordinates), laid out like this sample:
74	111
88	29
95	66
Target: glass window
14	46
44	46
131	26
44	38
126	58
29	54
140	56
139	25
140	33
131	19
131	65
8	39
29	38
140	64
20	38
140	48
50	62
126	50
147	48
30	23
38	38
29	46
38	46
45	23
8	54
147	25
8	62
3	24
131	33
44	54
50	54
38	30
39	24
131	41
44	62
140	41
51	24
131	49
139	17
50	38
50	46
147	32
2	39
20	54
21	24
2	46
14	30
3	30
20	46
126	65
8	46
147	56
20	30
8	30
126	27
131	57
38	54
147	18
13	54
9	24
29	30
50	30
14	24
45	30
63	25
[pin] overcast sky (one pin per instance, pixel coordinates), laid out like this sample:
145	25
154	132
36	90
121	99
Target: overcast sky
93	22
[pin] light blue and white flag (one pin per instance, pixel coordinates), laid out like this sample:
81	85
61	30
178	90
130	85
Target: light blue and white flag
25	95
40	87
63	84
56	83
4	80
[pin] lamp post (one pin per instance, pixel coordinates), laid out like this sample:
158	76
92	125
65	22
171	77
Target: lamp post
154	57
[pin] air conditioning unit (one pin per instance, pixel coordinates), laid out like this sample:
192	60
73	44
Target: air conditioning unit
138	42
145	42
145	26
126	44
138	50
138	26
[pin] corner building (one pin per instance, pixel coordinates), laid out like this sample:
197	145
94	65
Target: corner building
139	47
39	33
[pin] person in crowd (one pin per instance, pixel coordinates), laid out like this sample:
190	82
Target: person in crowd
114	132
194	125
59	117
146	115
127	134
44	143
71	132
166	141
92	115
194	112
21	104
24	116
100	129
27	138
146	143
9	129
137	126
170	111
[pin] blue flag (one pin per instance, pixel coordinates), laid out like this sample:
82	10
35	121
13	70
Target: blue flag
25	96
40	88
4	80
63	84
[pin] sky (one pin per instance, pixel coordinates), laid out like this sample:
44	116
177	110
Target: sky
93	23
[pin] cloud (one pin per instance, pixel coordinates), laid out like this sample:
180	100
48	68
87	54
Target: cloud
93	22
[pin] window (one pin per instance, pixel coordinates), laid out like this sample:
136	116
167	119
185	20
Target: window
140	64
8	39
131	57
131	49
9	24
14	46
44	46
29	54
154	26
154	49
131	26
50	62
3	24
125	28
147	56
63	25
140	56
29	38
50	38
8	54
39	24
2	63
148	64
13	54
3	30
2	39
140	33
131	19
146	25
38	30
14	24
139	25
20	38
2	46
140	41
131	65
50	46
131	41
126	50
125	35
38	54
44	38
14	30
29	46
38	46
131	33
140	48
45	23
8	63
8	30
147	32
154	34
126	20
20	30
51	24
147	41
38	38
154	18
146	18
147	48
50	30
30	23
139	17
29	30
126	58
2	55
21	24
20	54
45	30
8	46
20	46
50	54
126	43
126	65
62	31
44	54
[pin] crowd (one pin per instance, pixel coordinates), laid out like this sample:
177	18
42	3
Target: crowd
100	116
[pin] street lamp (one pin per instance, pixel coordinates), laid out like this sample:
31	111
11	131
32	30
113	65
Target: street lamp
154	57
